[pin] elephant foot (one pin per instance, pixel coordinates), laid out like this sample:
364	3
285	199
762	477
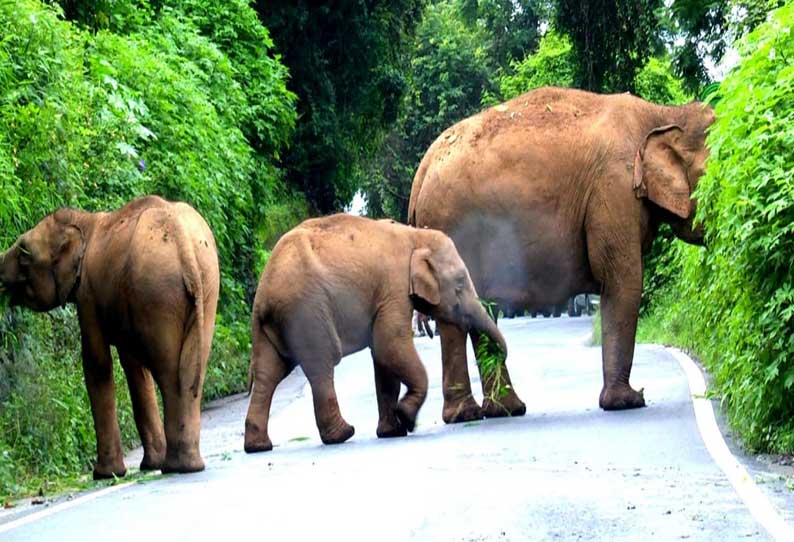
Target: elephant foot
390	427
464	410
500	407
621	398
183	463
338	434
107	472
407	416
152	461
256	440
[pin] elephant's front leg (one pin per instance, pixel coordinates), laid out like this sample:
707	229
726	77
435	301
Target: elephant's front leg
98	371
393	349
387	390
620	303
459	405
144	408
499	397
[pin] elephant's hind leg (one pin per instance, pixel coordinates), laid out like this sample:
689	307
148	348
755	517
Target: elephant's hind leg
332	426
459	404
144	408
181	397
499	397
269	368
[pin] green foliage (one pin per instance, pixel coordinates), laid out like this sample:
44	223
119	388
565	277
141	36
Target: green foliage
347	63
490	357
186	101
451	71
512	27
732	304
656	83
704	28
611	40
553	64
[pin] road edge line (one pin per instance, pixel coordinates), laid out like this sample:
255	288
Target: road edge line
762	510
35	516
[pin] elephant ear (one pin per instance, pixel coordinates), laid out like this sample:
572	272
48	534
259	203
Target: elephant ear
660	171
423	280
68	247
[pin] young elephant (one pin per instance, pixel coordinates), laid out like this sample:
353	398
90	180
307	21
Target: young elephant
144	279
339	284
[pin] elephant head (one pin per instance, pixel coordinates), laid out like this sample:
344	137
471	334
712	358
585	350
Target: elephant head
441	287
42	268
668	164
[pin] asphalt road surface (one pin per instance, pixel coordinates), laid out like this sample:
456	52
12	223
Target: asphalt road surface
565	471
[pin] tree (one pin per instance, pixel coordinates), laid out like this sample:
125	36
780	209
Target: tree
512	27
612	40
451	71
347	60
705	28
553	64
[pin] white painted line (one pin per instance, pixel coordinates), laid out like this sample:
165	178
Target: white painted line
36	516
761	509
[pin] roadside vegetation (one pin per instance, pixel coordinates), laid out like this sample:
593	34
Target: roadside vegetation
261	114
104	106
732	304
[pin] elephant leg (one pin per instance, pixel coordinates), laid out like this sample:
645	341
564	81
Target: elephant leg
144	408
269	368
98	371
387	389
499	397
619	310
332	426
181	400
459	404
393	349
619	269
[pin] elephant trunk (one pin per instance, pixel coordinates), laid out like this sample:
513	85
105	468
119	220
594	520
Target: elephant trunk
482	322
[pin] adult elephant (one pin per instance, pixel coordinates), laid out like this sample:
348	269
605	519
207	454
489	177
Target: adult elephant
554	193
145	279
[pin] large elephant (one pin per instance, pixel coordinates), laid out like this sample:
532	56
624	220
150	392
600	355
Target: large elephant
554	193
144	279
339	284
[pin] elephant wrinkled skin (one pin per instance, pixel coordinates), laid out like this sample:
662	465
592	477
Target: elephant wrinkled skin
559	192
144	279
336	285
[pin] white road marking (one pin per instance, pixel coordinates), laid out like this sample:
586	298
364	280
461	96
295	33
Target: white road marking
36	516
761	509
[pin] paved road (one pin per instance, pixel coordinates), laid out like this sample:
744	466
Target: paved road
565	471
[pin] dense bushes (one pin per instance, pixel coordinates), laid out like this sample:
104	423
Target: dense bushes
186	102
733	303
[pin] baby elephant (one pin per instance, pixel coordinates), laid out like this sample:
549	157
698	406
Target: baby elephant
144	279
336	285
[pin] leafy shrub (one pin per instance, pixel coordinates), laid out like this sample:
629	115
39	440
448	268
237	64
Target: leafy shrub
734	302
657	83
553	64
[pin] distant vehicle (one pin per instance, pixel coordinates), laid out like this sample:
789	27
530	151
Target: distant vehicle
583	304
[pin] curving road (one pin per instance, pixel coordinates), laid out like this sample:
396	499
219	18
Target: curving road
565	471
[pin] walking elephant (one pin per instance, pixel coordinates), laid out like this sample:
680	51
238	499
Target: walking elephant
144	279
554	193
339	284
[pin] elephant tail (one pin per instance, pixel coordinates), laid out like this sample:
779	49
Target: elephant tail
195	343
